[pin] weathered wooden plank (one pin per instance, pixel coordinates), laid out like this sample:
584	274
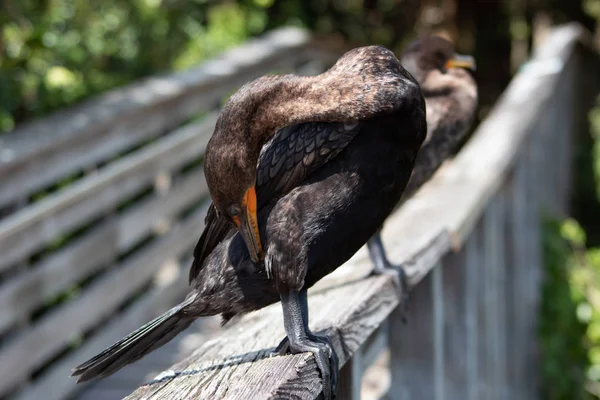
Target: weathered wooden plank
472	271
564	137
95	249
564	134
54	331
458	184
493	308
73	139
439	355
142	218
376	344
412	347
56	384
351	377
58	272
533	275
455	333
517	289
455	198
483	164
484	323
238	354
29	229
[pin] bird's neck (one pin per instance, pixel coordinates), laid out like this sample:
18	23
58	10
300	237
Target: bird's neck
274	102
289	100
364	83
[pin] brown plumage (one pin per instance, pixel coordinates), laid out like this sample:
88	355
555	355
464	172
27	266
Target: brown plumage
451	99
319	185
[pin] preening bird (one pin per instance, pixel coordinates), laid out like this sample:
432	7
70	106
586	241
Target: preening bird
451	101
302	171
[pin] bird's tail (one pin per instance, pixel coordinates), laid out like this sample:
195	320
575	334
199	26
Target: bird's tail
136	345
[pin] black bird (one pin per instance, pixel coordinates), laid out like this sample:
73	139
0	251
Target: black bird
319	185
451	100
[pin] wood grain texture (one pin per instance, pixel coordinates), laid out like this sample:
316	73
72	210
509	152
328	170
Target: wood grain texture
454	200
456	324
234	365
27	230
412	347
54	332
518	292
92	133
473	256
56	383
96	249
351	377
238	356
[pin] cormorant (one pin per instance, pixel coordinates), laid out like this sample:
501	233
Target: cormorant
320	190
451	101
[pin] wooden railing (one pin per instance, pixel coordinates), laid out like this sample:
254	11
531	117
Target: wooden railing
102	206
470	240
104	202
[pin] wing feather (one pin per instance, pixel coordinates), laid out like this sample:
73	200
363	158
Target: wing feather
285	161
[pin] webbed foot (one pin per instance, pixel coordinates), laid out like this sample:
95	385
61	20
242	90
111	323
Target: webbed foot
295	313
326	358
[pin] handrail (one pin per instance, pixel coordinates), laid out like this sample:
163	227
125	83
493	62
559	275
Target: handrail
33	155
494	188
132	210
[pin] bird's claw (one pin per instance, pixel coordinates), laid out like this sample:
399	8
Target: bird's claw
325	356
282	348
399	277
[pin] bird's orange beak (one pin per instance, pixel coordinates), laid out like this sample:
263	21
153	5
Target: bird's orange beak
247	224
461	61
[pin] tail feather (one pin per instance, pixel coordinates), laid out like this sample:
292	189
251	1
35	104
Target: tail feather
135	345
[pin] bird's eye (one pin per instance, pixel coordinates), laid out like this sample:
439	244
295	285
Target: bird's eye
234	211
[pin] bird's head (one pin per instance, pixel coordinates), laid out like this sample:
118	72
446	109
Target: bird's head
433	53
230	172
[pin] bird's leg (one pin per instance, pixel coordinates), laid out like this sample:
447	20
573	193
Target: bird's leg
300	340
382	266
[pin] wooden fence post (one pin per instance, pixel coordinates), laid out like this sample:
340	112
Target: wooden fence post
517	287
417	353
472	272
457	324
351	377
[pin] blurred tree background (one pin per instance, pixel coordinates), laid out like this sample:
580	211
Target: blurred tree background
54	53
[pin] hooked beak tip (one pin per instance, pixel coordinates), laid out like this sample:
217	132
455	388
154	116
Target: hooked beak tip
252	242
256	258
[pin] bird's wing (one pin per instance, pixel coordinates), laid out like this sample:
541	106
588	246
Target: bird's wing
297	151
285	161
216	229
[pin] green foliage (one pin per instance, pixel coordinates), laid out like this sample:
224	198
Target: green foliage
55	53
595	125
563	324
570	311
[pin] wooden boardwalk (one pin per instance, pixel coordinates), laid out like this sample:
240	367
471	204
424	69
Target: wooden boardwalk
128	379
470	241
101	205
118	386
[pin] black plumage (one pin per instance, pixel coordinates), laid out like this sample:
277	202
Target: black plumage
322	190
451	100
